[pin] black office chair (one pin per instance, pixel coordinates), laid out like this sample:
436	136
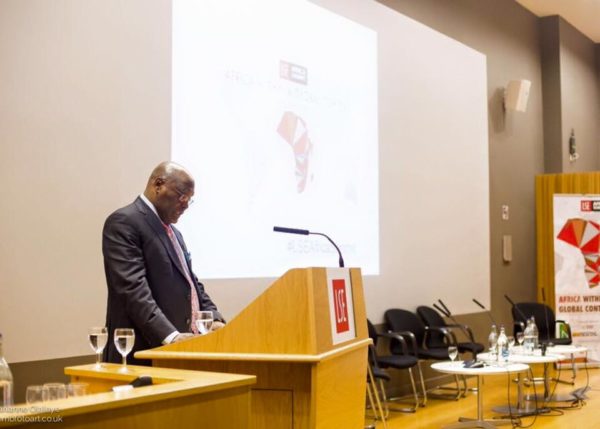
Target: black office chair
544	319
376	375
432	318
409	326
401	360
546	324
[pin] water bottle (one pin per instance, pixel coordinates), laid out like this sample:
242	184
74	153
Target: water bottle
528	338
502	346
535	333
493	342
6	380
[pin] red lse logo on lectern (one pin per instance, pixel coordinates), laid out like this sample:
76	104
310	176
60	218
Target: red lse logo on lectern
341	306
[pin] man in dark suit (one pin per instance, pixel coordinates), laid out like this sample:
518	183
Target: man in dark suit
151	285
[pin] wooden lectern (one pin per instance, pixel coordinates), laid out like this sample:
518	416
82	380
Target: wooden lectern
289	338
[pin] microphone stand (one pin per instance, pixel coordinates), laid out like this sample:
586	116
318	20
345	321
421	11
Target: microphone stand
516	308
488	312
340	260
441	310
548	341
446	312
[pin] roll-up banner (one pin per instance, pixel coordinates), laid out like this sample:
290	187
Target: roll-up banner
577	268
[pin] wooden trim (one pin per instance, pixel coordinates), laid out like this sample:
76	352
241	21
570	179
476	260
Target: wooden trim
263	357
188	387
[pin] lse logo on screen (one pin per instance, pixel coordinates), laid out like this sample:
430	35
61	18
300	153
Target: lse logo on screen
341	306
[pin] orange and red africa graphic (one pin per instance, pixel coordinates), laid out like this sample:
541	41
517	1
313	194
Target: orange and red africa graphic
292	129
585	235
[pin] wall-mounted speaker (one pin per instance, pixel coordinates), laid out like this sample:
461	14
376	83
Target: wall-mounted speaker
517	94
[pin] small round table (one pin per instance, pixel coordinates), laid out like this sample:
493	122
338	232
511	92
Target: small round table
572	350
458	368
521	409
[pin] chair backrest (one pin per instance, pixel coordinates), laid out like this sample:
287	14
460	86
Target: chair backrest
372	347
399	320
539	311
431	317
372	332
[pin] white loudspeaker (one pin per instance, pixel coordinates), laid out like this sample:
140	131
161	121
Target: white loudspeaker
517	94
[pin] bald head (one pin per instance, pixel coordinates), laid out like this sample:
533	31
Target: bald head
170	189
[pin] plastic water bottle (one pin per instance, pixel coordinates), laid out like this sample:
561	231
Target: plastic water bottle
528	340
6	380
535	333
493	342
502	345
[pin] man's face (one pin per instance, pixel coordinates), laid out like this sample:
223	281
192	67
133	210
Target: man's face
173	197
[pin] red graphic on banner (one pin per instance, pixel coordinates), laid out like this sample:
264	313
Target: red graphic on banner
292	129
585	235
341	305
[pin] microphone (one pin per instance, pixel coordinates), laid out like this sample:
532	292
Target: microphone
517	308
548	342
441	310
446	312
307	232
488	312
142	380
445	308
291	230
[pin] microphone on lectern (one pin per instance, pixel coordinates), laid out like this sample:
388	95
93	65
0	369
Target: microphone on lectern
291	230
307	232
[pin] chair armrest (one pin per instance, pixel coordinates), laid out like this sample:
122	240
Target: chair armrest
448	334
395	336
411	337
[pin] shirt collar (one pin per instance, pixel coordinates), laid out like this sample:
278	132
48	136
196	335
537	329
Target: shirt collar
149	204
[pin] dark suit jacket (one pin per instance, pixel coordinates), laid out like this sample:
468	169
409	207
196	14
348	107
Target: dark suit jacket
147	287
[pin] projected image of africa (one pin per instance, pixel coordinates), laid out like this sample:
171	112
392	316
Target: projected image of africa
292	129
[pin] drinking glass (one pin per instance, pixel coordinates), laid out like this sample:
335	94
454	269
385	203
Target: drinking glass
77	389
124	339
35	394
511	342
98	337
204	321
452	352
56	390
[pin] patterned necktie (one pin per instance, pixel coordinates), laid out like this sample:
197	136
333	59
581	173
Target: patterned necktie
194	296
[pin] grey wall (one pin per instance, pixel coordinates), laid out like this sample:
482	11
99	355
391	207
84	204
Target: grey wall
509	35
559	61
571	97
552	95
580	95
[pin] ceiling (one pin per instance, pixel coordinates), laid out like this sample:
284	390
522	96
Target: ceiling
582	14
